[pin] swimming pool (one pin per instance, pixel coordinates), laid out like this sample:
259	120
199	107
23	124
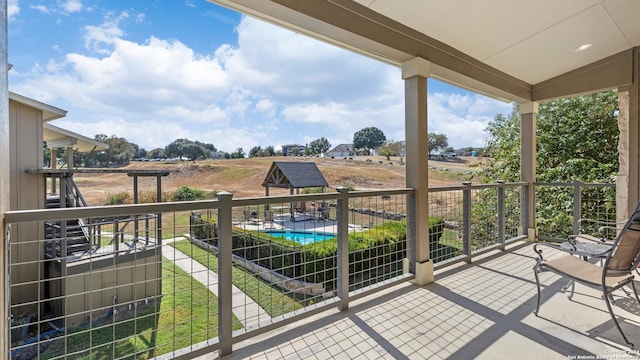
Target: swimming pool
301	237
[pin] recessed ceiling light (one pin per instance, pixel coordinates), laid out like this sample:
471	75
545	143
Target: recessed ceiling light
583	47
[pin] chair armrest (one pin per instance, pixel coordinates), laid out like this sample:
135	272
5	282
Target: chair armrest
544	244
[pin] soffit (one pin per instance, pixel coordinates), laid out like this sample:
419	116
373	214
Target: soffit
58	137
500	48
530	40
49	112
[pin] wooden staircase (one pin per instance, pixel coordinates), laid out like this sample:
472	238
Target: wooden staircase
72	234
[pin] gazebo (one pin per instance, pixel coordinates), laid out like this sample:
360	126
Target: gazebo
294	175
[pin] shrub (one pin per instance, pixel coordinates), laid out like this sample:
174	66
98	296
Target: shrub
313	190
147	197
380	248
185	193
120	198
349	187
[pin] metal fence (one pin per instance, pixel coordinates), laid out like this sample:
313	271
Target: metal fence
475	219
559	206
196	277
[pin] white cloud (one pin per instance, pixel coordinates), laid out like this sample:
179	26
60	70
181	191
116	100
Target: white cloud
41	8
463	118
71	6
13	9
274	87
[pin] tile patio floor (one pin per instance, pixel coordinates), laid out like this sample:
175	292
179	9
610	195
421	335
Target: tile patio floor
482	310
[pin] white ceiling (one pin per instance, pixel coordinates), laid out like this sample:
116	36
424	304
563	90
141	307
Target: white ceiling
514	50
530	40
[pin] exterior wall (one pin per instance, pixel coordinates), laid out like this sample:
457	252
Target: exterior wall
339	154
292	150
27	192
628	180
90	295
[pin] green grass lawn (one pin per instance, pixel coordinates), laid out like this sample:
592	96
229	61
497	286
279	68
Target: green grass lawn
270	298
187	314
450	238
175	224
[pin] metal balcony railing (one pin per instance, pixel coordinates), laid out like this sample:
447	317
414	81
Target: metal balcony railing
208	274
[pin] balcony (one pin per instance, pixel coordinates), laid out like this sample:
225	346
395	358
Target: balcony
215	276
482	310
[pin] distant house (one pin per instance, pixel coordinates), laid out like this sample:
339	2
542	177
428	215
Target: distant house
341	150
217	155
293	150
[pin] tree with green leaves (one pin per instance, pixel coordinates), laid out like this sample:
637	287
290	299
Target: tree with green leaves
318	146
393	148
238	154
192	150
368	138
436	142
269	151
255	151
577	139
156	153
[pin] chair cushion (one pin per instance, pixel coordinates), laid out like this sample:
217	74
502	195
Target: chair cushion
582	271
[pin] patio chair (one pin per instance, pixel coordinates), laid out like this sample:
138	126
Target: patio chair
248	215
617	271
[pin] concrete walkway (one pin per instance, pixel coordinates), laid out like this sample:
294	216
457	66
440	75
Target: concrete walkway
245	309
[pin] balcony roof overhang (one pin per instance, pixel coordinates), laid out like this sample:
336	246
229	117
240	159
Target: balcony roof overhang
61	138
510	50
49	112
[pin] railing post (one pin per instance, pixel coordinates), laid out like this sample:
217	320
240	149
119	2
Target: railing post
410	264
502	224
577	205
524	209
116	236
342	216
466	221
225	302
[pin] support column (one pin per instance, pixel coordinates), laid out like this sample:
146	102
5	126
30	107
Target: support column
628	180
54	160
415	73
528	112
4	176
70	157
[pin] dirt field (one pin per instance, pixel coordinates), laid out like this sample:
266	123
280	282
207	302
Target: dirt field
243	177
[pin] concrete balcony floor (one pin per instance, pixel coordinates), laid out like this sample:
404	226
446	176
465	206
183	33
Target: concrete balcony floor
482	310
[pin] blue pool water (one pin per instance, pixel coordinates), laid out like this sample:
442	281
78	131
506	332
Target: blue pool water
301	237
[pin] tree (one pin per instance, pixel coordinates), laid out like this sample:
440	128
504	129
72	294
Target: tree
577	139
269	151
157	153
255	151
192	150
238	154
392	148
369	138
318	146
436	142
120	151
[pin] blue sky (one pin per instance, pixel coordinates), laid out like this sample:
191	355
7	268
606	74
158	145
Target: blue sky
155	71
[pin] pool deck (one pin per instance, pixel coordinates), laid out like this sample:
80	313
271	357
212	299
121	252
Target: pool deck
300	222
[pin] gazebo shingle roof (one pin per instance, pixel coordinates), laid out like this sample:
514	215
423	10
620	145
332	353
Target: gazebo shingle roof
295	175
